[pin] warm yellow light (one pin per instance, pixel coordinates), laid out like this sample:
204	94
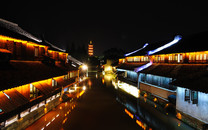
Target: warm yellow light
84	67
141	124
134	91
45	110
155	99
18	40
108	68
81	93
103	80
179	116
64	120
129	113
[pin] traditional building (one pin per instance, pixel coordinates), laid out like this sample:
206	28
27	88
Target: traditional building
172	72
90	49
33	73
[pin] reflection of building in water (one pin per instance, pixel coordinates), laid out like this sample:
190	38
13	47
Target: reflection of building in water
147	116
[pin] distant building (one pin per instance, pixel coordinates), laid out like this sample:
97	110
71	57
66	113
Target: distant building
90	49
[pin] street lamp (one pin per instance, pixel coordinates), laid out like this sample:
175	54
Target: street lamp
84	67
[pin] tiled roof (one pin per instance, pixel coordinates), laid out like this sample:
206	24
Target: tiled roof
13	30
6	25
23	72
193	76
190	43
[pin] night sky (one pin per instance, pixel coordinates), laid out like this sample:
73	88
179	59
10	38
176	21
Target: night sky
125	29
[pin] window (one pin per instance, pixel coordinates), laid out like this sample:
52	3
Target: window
176	58
187	95
130	59
179	58
32	91
197	57
65	77
159	81
190	58
170	58
125	74
136	59
194	97
191	95
205	56
54	83
162	58
131	75
201	56
36	51
142	58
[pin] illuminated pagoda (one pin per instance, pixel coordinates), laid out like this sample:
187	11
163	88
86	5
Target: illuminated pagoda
33	75
90	49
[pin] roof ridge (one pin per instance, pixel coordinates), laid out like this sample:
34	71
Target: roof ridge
9	22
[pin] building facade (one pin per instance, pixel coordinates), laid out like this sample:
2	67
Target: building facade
174	75
33	73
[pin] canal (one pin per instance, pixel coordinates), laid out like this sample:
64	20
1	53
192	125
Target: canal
144	112
103	106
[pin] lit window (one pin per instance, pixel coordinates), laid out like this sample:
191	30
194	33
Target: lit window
65	77
54	83
201	56
125	74
181	57
32	91
197	57
190	57
142	58
205	56
176	57
130	59
36	51
136	58
162	58
170	58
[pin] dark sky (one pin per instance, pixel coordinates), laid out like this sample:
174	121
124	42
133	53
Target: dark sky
125	29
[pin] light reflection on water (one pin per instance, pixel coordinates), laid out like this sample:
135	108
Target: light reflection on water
146	116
